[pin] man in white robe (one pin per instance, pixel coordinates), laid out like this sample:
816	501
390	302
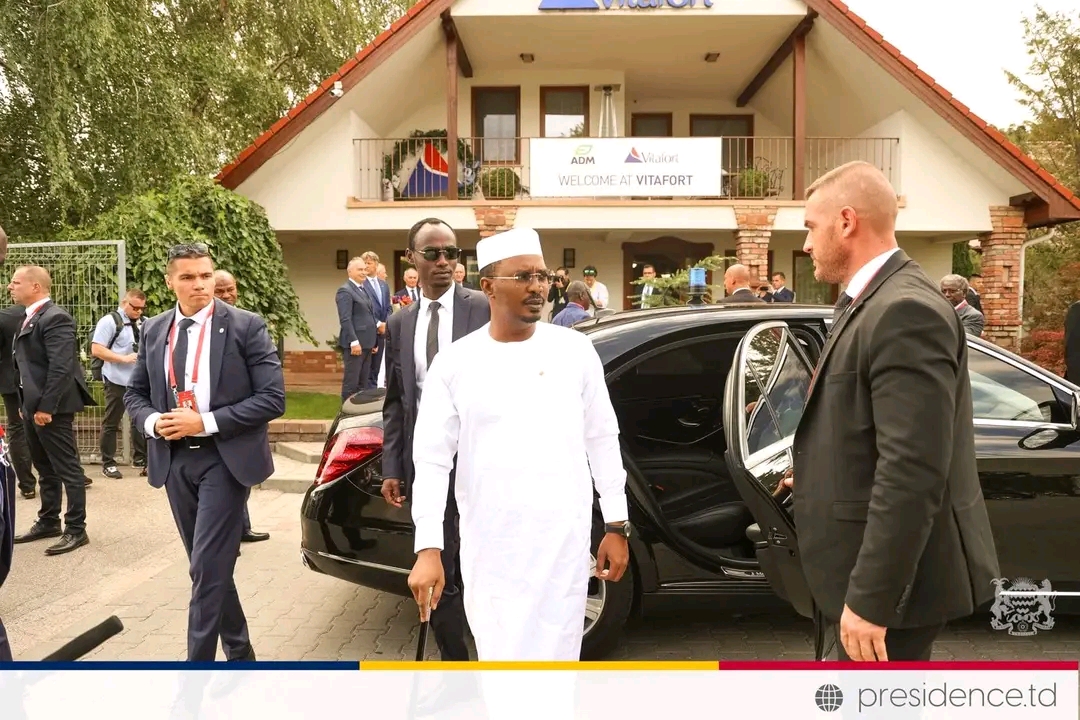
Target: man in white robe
525	496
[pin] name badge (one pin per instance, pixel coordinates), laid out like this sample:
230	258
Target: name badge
186	399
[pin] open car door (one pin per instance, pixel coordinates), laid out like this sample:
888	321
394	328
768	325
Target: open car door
764	398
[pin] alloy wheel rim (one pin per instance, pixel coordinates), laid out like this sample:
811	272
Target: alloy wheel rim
597	597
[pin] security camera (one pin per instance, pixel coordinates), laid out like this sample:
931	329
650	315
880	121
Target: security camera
337	91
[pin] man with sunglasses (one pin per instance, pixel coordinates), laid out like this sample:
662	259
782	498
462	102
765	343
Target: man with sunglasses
526	504
207	383
445	313
116	345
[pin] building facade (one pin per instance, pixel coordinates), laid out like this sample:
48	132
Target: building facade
630	132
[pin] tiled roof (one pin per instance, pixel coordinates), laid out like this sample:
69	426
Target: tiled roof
288	126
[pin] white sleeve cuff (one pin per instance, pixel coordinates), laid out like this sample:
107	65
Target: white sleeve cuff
209	423
150	423
613	508
428	535
354	343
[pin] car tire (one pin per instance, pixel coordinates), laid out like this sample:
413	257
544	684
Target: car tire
612	600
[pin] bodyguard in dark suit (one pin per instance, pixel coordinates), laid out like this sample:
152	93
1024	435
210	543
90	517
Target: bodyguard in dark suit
11	320
206	385
357	334
446	313
893	528
52	390
379	292
737	284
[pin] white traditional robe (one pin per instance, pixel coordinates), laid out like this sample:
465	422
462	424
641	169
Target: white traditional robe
523	485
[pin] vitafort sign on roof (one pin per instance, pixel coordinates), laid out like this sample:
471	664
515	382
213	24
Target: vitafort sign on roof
622	4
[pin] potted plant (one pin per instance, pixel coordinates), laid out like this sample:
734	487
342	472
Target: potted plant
499	183
752	183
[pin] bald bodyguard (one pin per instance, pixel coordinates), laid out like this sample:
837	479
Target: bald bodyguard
893	529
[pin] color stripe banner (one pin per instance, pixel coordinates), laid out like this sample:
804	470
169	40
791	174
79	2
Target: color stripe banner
551	691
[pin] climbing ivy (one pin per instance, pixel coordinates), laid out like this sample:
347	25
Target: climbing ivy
196	209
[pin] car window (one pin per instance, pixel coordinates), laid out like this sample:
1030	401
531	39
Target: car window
775	378
1000	391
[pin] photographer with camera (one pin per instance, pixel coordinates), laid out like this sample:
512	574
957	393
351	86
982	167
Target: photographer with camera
557	293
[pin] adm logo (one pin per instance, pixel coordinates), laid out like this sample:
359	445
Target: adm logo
583	156
620	4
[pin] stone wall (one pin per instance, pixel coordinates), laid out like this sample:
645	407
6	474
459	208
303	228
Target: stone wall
298	431
752	238
1001	269
313	361
491	219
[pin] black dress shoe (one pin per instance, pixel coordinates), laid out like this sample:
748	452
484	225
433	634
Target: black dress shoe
38	531
250	536
29	494
68	542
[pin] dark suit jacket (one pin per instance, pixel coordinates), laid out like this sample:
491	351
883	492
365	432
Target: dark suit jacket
247	391
974	300
783	295
471	312
405	291
46	358
973	320
1072	343
741	295
380	303
356	317
890	514
11	320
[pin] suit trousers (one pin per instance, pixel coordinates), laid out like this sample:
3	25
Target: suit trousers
110	428
56	457
903	644
5	646
357	373
208	505
448	621
20	451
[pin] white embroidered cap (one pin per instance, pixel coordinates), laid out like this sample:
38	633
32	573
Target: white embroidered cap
512	243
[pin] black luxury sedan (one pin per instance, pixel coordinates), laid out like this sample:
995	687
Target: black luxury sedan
708	399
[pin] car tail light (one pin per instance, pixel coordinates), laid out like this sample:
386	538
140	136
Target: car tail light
350	449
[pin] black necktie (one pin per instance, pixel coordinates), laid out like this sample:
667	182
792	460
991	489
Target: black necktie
179	355
433	333
841	305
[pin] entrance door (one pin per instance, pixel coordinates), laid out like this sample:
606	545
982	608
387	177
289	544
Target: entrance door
766	391
808	289
666	254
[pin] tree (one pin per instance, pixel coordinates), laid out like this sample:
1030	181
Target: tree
100	99
194	209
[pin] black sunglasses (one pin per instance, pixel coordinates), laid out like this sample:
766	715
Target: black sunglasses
188	249
432	254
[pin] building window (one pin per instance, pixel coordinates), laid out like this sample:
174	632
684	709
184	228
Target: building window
496	123
738	131
564	111
650	125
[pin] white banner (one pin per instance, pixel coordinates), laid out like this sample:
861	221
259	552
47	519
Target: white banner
625	167
602	691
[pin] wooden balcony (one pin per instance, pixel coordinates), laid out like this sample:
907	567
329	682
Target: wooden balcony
753	168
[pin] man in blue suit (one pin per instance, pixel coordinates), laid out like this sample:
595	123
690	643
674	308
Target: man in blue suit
358	331
379	292
206	385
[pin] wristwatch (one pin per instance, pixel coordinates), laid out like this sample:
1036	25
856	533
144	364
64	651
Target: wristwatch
619	528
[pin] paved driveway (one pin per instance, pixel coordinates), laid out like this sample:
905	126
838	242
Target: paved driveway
135	568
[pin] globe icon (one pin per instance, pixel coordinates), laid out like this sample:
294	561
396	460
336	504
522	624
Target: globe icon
829	698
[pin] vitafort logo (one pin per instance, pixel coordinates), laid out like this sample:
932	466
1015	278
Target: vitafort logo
636	156
622	4
583	156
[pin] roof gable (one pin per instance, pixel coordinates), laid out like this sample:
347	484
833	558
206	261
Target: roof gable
1049	203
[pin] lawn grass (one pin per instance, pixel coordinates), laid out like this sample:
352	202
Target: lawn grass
311	405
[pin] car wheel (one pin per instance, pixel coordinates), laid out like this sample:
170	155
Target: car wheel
607	607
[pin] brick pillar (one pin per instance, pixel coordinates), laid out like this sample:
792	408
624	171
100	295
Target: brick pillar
752	239
1001	250
495	219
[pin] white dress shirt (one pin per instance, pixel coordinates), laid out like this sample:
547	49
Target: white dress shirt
201	388
446	330
34	308
599	294
866	273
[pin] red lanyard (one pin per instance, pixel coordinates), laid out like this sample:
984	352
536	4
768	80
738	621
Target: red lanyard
198	350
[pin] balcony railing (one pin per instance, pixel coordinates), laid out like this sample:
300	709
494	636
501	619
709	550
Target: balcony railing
417	168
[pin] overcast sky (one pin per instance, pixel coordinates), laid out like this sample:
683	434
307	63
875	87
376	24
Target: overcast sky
966	45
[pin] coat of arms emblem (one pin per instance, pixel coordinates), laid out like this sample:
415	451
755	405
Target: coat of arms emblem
1027	609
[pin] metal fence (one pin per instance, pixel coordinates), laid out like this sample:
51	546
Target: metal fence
88	279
